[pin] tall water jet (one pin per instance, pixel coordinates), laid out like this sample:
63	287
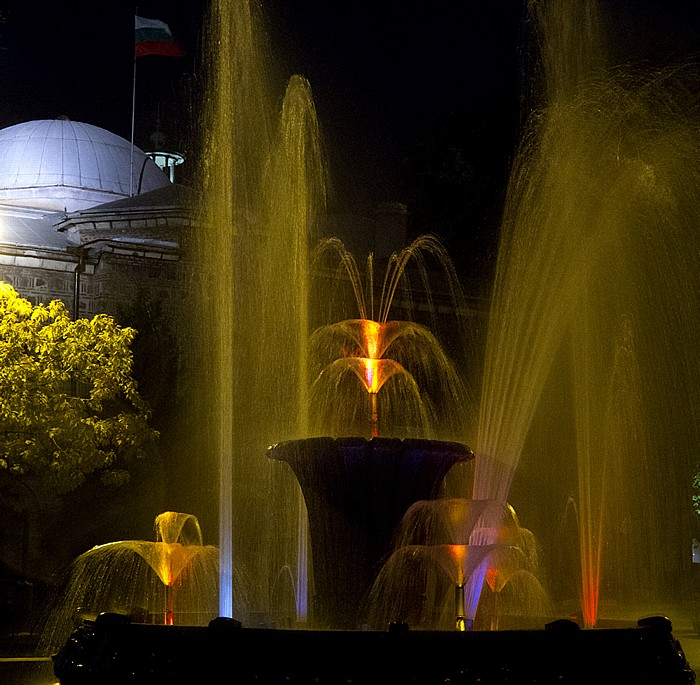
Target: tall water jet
263	189
592	311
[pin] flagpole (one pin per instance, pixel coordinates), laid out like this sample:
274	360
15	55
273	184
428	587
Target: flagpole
157	40
133	111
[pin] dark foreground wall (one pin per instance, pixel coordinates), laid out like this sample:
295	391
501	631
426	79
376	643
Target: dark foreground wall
111	650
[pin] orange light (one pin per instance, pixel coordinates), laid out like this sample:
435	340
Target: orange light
459	556
589	604
458	553
371	333
492	577
371	374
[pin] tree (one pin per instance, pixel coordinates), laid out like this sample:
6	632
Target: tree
69	405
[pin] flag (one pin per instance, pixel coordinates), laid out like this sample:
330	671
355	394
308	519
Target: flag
154	37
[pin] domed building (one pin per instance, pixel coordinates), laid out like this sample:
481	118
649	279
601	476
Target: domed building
64	165
85	216
90	220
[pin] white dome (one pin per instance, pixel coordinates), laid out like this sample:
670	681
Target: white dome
63	165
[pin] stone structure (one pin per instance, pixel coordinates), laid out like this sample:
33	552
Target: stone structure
86	219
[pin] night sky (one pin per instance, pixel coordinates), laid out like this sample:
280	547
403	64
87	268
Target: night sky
388	77
380	73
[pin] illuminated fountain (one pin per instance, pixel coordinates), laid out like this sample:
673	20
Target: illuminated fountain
580	325
173	580
593	304
446	547
588	387
408	386
380	390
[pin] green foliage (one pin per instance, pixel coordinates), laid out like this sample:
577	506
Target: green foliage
696	487
69	405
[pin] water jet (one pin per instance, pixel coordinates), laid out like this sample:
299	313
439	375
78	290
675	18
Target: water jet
170	580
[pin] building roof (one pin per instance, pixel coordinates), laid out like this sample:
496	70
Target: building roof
160	199
31	229
66	166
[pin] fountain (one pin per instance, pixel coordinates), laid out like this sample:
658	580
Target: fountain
172	580
363	488
598	206
384	390
450	545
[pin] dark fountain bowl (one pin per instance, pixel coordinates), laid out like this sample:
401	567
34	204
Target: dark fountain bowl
112	650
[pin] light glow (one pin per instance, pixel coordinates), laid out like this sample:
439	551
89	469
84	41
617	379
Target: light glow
371	375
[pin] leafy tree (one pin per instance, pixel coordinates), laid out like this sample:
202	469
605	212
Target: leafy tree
69	405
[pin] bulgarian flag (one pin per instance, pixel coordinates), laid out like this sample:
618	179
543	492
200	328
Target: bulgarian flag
154	37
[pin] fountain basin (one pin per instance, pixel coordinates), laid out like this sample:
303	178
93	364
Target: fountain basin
111	650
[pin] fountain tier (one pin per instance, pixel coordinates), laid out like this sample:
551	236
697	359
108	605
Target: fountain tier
356	492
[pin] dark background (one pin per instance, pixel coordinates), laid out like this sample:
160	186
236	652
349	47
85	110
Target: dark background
418	102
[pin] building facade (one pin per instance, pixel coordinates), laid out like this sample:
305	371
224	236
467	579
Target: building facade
87	218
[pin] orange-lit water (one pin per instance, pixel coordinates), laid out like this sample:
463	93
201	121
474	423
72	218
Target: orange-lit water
407	382
173	579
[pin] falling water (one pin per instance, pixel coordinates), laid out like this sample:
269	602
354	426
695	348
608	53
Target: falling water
375	375
438	549
542	261
594	309
263	188
170	580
